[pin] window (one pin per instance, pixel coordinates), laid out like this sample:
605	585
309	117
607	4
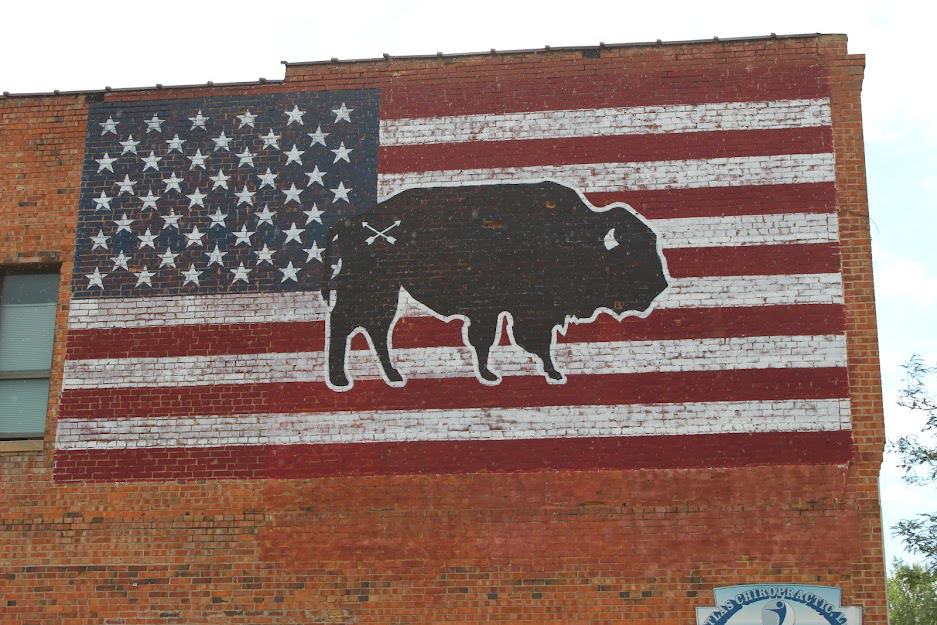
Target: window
27	325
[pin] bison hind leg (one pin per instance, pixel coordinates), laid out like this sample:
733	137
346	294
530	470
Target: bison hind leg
536	337
341	323
481	334
379	329
375	314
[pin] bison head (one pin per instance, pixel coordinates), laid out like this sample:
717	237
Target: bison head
619	266
634	263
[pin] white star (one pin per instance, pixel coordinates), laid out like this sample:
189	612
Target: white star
103	202
215	256
147	239
341	154
126	185
196	199
171	220
154	124
294	116
245	197
267	179
120	260
221	142
149	201
217	219
265	216
341	193
105	162
318	136
167	259
270	140
198	121
289	272
246	158
313	214
292	194
342	112
129	145
109	126
313	252
293	234
247	119
175	143
152	161
143	277
265	255
198	159
194	237
172	183
99	241
220	180
123	223
94	279
240	273
243	236
293	156
191	275
315	176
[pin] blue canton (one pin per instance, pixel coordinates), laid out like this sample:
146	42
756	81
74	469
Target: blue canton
221	194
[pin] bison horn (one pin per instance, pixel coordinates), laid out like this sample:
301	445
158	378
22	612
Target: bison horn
610	241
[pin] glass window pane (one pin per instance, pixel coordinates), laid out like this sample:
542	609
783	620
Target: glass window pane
23	405
30	288
26	332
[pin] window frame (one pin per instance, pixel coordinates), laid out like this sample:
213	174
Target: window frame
31	441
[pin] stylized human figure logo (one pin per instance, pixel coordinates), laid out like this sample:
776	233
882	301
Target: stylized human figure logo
777	613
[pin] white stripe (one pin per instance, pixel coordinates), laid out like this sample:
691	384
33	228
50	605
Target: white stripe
637	120
744	230
462	424
705	292
622	357
736	171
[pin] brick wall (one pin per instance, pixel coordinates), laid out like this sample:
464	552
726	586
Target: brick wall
599	545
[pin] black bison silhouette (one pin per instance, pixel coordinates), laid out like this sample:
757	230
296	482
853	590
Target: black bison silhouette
535	251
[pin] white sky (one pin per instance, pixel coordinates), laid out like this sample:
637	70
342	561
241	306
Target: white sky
86	45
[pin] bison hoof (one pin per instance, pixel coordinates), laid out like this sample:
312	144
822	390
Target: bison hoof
339	380
554	375
487	374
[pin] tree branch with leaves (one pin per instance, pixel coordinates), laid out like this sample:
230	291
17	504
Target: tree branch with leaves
918	457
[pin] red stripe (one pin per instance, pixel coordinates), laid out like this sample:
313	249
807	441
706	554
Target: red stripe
241	462
262	338
306	461
454	393
819	197
615	149
755	260
612	87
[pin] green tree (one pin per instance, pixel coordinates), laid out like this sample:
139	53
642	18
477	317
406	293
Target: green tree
912	595
918	459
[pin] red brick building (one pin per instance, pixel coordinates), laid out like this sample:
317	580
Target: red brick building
189	442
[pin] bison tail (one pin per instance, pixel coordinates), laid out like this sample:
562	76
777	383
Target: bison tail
327	263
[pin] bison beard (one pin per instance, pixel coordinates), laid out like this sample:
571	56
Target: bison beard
535	251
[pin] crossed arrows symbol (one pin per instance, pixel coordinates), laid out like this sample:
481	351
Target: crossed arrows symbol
380	233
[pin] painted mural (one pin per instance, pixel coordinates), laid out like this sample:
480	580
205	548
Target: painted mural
316	283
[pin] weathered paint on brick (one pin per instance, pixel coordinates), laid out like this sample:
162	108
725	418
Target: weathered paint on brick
576	546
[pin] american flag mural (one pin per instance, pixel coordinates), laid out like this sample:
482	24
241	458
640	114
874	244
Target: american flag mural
197	340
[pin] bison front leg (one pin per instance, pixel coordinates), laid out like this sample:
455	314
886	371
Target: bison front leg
537	338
